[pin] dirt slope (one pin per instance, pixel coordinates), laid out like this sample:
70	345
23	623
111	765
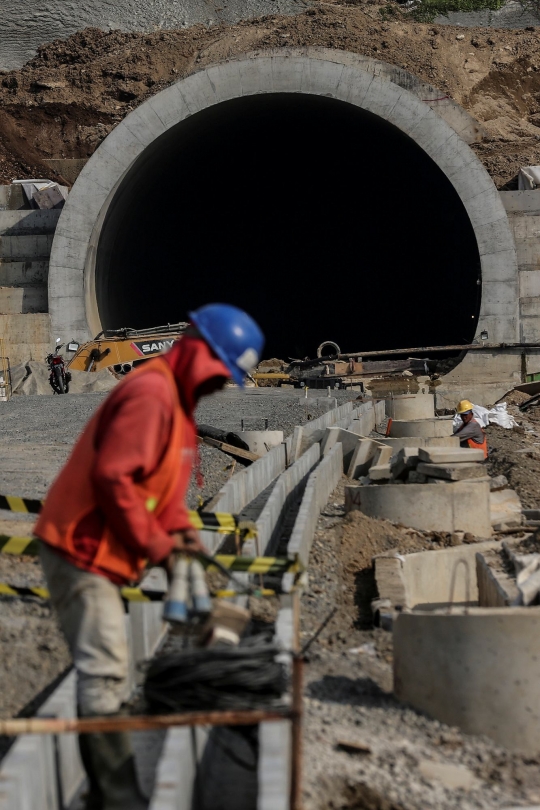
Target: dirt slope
66	100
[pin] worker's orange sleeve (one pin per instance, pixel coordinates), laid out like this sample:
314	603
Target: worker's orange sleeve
131	441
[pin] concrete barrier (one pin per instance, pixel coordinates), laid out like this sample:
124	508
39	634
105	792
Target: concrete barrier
320	484
314	431
273	772
421	427
496	588
411	406
477	669
429	579
250	482
446	507
285	490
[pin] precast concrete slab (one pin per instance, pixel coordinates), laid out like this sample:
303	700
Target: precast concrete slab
346	438
446	507
475	668
431	579
505	508
419	441
411	406
449	455
436	427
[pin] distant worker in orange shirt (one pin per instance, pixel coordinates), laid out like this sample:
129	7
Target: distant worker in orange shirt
470	432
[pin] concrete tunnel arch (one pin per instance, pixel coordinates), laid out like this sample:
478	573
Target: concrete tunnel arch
104	269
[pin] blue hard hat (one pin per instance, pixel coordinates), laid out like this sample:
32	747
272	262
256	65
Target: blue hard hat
232	334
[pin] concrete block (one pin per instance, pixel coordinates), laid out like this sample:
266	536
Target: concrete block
421	427
346	438
450	455
414	477
380	472
383	455
420	441
477	669
452	472
447	507
260	441
411	406
505	508
426	576
496	588
362	458
404	461
321	483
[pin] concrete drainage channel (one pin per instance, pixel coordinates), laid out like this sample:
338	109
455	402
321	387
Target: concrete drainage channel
459	624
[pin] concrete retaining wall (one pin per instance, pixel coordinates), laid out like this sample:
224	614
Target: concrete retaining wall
245	485
320	485
478	669
424	579
26	238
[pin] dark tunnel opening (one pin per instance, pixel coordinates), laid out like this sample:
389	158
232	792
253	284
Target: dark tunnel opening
322	220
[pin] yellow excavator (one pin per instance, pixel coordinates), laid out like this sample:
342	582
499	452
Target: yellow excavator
123	349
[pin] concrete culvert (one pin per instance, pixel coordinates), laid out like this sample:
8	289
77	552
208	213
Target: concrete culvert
314	215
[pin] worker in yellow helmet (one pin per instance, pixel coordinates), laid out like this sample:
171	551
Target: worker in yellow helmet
470	432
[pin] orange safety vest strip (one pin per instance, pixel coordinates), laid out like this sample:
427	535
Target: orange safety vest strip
72	498
477	446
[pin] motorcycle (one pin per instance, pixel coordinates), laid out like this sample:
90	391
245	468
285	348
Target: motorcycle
59	378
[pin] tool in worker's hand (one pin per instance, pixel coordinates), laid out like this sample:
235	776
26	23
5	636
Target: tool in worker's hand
188	599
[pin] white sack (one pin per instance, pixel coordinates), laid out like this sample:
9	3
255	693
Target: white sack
528	178
498	415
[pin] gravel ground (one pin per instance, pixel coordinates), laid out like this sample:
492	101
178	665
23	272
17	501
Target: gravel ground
349	698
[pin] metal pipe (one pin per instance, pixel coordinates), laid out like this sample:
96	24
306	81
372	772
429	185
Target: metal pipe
106	725
455	347
417	350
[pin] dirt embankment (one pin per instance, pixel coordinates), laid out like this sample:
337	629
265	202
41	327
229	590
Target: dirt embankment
66	100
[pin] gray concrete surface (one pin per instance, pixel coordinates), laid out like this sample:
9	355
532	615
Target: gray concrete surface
26	25
447	507
411	406
431	579
477	669
401	428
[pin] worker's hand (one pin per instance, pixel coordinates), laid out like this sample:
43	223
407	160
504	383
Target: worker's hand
189	542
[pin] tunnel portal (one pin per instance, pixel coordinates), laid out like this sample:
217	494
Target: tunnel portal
323	220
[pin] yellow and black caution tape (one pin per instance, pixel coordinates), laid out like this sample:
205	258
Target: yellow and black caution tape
221	522
253	565
14	504
127	594
231	562
18	545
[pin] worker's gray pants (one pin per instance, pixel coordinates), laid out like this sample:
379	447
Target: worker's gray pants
92	618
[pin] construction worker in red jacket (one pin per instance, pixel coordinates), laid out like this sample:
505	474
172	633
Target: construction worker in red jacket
117	506
470	432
